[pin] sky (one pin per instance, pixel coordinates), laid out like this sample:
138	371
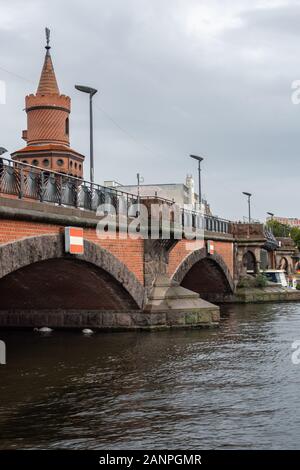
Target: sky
175	77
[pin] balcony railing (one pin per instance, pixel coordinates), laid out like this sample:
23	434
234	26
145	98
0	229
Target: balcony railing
25	181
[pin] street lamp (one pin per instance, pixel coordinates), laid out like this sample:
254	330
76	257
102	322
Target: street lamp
199	159
249	204
91	92
271	215
3	150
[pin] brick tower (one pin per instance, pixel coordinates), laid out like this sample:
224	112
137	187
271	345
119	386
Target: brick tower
47	134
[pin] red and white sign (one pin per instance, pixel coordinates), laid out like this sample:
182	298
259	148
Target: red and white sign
210	247
74	240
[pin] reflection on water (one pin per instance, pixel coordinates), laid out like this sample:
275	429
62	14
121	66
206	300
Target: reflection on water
234	387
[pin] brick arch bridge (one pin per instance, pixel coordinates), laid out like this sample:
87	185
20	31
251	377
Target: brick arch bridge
206	274
40	262
135	269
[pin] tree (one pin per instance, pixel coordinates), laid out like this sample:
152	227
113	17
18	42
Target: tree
295	235
284	230
279	229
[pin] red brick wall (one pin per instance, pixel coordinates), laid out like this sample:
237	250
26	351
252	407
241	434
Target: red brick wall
183	249
180	251
130	252
225	249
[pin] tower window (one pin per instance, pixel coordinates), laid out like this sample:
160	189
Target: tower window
60	162
46	162
35	162
67	126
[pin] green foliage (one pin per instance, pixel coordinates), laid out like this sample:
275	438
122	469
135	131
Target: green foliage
295	235
245	282
249	282
260	280
278	229
283	230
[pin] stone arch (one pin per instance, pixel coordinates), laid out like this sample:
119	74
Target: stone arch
209	263
249	261
283	264
27	251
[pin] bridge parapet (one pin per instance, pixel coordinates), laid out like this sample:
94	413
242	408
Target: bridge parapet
241	230
254	231
286	243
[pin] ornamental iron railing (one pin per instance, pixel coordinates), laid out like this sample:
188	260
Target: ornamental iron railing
29	182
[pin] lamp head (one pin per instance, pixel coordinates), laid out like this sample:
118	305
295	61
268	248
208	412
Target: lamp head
247	194
86	89
196	157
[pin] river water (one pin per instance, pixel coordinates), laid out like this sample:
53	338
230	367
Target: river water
232	387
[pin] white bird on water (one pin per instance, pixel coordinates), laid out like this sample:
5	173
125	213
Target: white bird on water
87	331
44	329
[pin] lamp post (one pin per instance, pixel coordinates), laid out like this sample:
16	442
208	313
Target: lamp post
140	179
3	150
249	204
271	228
199	159
91	92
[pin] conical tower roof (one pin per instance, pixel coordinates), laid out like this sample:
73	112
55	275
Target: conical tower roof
48	82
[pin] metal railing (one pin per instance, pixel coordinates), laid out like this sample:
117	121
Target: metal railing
194	218
271	240
30	182
25	181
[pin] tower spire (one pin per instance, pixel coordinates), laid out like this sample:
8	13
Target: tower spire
48	83
47	31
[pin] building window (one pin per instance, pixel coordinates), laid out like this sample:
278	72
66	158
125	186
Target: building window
71	163
24	161
75	164
46	162
67	126
59	162
80	167
35	162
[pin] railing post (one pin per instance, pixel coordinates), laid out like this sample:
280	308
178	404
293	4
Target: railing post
21	193
60	188
76	195
42	187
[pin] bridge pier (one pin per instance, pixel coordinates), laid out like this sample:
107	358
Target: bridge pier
182	307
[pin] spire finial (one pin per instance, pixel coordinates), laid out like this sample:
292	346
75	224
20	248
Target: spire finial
47	30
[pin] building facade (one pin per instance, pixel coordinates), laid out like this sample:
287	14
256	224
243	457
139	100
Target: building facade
181	193
291	221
